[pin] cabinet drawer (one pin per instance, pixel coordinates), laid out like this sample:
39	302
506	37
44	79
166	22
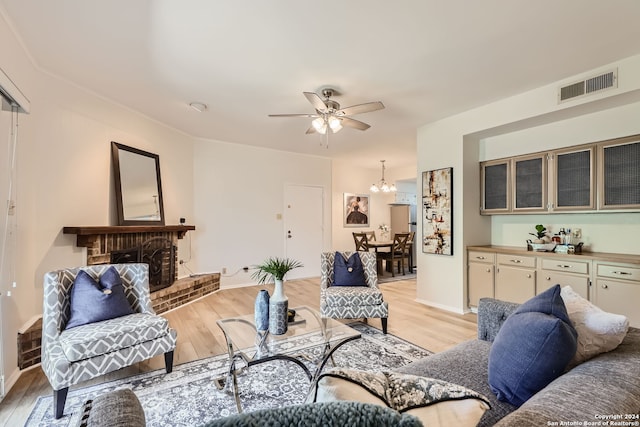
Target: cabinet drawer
568	266
516	260
618	272
478	256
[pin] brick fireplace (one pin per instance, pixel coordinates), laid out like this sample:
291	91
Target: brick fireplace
154	245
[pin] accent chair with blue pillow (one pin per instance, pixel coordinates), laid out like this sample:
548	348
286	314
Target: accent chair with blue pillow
353	294
112	325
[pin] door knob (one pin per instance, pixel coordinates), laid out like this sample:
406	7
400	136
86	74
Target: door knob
288	234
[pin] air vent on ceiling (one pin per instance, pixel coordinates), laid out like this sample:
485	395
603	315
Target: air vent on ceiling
588	86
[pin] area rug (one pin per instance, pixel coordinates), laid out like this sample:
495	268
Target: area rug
189	397
388	278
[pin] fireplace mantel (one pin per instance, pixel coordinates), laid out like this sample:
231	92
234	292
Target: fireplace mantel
105	242
83	233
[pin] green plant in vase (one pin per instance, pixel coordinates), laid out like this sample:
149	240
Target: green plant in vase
274	268
540	234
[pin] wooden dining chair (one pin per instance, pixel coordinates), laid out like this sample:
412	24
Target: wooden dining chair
398	253
371	235
362	242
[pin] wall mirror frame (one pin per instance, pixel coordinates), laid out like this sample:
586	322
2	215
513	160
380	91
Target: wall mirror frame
138	186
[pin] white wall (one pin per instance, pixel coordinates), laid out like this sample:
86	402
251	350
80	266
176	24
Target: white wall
456	139
65	178
240	193
350	179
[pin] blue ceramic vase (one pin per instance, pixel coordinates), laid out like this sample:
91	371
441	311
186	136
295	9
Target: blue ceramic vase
278	305
261	310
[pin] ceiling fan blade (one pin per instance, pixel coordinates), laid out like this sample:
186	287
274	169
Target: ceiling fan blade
311	130
352	123
361	108
316	101
293	115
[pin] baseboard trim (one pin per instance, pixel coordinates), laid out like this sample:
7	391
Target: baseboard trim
440	306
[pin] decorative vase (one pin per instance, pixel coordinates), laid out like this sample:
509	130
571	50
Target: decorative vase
261	310
278	306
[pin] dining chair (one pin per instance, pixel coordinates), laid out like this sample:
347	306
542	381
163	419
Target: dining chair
398	253
362	241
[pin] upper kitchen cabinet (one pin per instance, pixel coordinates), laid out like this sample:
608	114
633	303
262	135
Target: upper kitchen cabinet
619	173
598	176
495	186
530	183
572	179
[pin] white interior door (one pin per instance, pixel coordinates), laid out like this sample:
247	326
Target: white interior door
304	228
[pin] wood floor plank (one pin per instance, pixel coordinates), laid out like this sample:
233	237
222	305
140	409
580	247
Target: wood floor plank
199	335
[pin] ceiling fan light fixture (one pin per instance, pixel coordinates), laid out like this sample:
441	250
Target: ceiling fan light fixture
319	125
335	124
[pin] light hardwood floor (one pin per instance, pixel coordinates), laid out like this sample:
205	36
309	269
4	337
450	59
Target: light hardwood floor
199	336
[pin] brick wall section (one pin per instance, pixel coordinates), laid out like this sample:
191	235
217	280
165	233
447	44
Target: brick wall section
29	345
183	291
180	292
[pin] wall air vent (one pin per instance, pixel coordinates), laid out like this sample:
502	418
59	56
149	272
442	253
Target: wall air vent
588	86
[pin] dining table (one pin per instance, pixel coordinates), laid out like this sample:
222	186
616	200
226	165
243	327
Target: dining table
383	244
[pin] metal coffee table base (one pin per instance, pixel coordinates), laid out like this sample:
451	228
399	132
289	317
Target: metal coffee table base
230	383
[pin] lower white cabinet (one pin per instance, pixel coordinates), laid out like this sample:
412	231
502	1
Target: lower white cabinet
480	276
515	284
610	281
564	272
620	294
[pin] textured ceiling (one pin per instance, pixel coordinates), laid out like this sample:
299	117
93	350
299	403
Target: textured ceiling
424	59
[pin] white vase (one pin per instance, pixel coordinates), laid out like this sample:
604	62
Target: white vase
278	306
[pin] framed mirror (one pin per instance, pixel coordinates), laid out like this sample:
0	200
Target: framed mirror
138	186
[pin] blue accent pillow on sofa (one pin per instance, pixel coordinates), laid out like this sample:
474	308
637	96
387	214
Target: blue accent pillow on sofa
532	348
91	301
348	272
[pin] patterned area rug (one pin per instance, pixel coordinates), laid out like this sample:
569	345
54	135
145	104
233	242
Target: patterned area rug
388	278
189	397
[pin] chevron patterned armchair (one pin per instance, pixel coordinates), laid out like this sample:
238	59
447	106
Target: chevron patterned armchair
352	302
88	351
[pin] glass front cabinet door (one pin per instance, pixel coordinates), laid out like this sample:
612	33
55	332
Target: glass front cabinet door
495	183
530	183
619	173
572	179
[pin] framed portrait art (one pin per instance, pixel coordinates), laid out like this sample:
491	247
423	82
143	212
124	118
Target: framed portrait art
356	210
437	211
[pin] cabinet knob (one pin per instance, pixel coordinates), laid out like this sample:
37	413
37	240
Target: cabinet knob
517	261
548	278
564	266
480	257
488	270
605	286
528	276
621	273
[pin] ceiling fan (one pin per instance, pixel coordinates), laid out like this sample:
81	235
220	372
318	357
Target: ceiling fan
329	117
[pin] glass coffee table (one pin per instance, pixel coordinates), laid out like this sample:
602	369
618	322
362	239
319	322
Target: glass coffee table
247	346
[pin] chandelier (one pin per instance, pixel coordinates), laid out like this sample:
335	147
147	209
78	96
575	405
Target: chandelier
382	185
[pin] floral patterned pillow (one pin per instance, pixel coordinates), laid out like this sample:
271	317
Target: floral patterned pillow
434	402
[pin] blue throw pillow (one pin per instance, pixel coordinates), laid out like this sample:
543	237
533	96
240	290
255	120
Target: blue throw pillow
91	301
348	272
533	347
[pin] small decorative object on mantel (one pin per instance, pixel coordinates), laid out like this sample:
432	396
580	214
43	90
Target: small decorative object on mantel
276	268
